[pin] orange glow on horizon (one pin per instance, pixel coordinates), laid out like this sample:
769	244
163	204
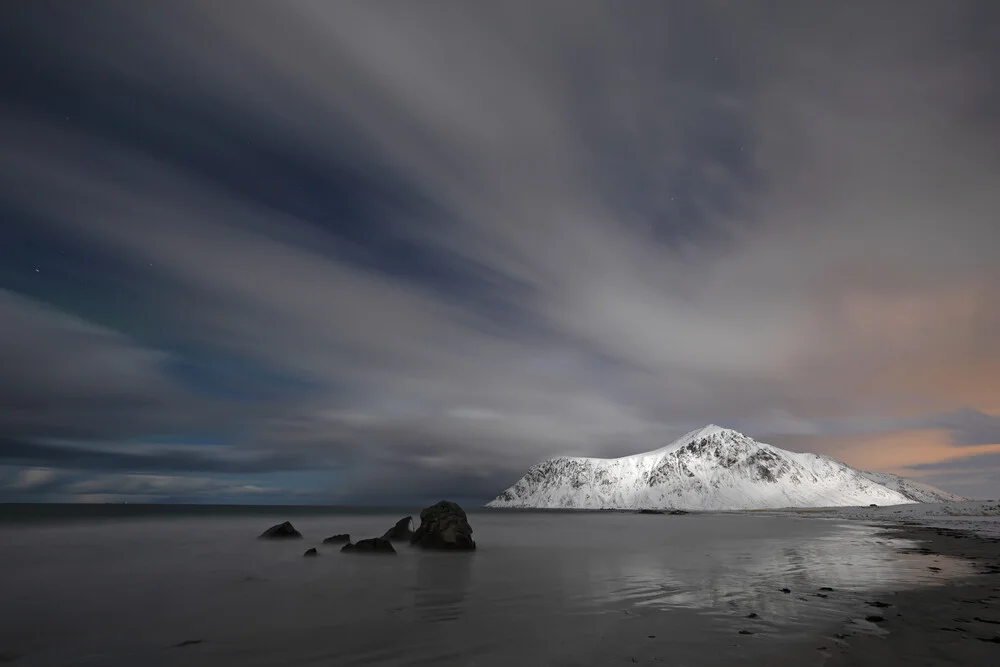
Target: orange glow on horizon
892	452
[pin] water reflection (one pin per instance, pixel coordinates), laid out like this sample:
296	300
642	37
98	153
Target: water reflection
562	589
748	575
442	584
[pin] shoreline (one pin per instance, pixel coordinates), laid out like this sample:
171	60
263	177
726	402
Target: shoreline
956	623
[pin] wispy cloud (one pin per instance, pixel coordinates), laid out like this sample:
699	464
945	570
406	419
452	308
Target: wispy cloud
474	237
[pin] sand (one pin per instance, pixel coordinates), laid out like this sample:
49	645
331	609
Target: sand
957	623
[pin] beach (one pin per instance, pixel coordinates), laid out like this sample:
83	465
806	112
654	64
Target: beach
196	587
957	623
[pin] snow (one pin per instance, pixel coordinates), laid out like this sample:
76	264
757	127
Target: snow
916	491
978	516
712	468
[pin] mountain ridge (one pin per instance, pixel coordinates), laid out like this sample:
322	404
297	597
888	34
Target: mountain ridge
711	468
912	489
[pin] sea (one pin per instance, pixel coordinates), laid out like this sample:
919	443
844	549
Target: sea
152	585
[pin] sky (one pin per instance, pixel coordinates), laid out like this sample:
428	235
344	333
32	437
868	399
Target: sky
389	252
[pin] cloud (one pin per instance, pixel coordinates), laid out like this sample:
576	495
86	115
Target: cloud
897	451
45	351
32	478
479	236
147	457
77	485
153	485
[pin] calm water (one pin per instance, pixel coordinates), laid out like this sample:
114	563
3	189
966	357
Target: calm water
543	589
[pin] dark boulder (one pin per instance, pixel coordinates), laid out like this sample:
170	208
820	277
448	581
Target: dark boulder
444	526
873	505
677	512
337	539
652	512
371	545
311	552
282	531
403	530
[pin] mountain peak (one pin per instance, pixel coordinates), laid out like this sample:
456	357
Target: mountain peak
711	432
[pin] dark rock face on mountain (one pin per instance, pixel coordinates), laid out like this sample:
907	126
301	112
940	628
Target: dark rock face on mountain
371	545
282	531
444	526
337	539
402	531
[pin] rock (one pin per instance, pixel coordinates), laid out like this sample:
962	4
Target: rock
786	590
371	545
401	531
444	526
652	512
280	532
188	642
337	539
873	505
311	552
677	512
745	632
822	595
752	614
879	604
826	589
874	618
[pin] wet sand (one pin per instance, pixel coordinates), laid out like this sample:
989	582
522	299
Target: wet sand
957	623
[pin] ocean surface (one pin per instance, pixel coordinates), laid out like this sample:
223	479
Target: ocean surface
140	585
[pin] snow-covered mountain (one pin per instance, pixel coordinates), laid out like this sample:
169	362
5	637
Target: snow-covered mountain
712	468
916	491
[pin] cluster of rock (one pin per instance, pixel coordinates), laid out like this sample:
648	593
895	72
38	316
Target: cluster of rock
401	531
371	545
443	526
282	531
